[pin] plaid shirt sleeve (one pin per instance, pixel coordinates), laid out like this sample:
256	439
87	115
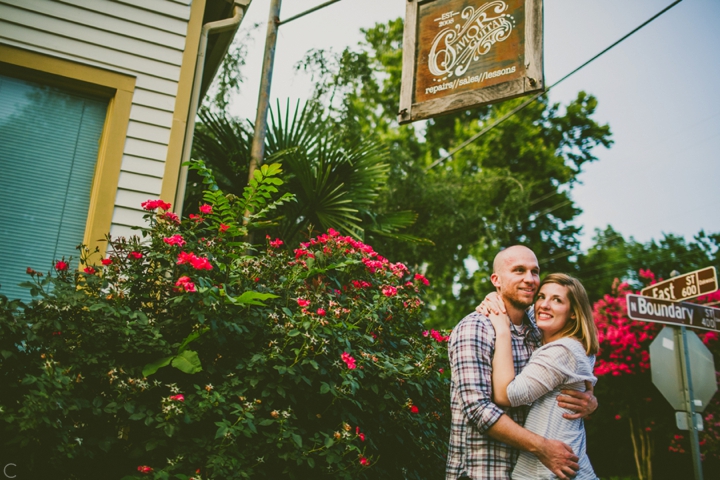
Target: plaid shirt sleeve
471	349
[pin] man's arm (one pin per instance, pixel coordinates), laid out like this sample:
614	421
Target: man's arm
555	455
582	403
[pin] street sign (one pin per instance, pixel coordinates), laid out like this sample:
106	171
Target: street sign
685	286
667	375
459	54
648	309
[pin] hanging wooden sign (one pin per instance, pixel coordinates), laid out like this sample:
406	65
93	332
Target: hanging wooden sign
460	54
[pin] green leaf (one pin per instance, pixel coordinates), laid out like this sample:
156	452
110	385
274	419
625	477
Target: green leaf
293	333
297	439
329	442
153	367
137	416
251	298
190	338
324	388
187	362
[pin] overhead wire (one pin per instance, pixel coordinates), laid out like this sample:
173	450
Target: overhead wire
538	95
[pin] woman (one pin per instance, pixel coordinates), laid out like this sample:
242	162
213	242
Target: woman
565	361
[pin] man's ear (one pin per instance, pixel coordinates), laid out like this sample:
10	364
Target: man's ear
495	280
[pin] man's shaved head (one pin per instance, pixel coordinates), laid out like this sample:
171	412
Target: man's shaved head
506	255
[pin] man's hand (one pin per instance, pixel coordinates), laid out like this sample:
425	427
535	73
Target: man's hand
582	403
559	458
492	303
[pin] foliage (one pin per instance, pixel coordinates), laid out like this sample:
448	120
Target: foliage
186	354
612	256
335	182
631	404
510	186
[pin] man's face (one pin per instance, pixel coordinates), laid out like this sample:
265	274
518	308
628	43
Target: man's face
517	277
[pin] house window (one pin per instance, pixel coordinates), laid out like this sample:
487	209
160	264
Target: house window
49	140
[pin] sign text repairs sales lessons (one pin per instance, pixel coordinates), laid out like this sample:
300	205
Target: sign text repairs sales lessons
465	53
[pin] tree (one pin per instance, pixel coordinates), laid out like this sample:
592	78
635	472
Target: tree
511	186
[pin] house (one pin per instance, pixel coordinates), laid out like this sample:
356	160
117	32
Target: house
96	101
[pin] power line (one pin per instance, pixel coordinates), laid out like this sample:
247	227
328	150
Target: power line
538	95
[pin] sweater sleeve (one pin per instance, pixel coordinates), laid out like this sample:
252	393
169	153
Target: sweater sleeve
551	366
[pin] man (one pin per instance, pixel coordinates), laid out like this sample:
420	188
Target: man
485	440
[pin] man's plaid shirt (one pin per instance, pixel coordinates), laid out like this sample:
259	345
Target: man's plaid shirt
472	452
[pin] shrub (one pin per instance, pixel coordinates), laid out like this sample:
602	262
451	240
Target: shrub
185	353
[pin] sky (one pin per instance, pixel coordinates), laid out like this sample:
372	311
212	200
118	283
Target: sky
658	91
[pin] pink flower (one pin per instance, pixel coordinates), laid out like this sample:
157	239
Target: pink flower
276	243
321	312
414	409
155	204
175	240
617	417
89	270
185	284
362	437
364	462
171	217
199	263
145	469
179	398
196	218
61	266
135	255
349	361
106	261
422	278
206	209
389	291
302	302
223	228
441	370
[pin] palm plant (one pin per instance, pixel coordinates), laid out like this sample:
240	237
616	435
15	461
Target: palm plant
335	183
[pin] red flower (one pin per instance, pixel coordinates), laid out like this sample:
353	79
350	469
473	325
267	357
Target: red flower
179	398
135	255
389	291
206	209
414	409
198	263
61	266
302	302
223	227
145	469
321	312
276	243
171	217
422	278
364	462
617	417
175	240
196	218
89	270
349	361
155	204
185	284
107	261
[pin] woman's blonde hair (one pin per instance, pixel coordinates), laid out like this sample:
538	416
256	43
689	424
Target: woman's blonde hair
582	326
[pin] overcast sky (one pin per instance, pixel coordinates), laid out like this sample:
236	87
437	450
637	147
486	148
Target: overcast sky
658	90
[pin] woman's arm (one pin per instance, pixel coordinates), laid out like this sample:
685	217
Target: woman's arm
503	368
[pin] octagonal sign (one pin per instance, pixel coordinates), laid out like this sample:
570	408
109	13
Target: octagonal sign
666	369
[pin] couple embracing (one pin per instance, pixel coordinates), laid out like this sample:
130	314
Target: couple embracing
522	378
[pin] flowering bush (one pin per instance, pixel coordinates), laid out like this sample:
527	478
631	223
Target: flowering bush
185	353
629	399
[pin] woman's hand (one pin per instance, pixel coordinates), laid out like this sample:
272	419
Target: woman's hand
491	304
501	322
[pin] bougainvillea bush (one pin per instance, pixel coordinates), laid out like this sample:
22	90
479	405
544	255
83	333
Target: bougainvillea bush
185	353
631	404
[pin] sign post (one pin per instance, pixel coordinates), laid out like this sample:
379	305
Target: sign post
684	375
459	54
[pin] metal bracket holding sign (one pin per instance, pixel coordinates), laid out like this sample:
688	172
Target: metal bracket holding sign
459	54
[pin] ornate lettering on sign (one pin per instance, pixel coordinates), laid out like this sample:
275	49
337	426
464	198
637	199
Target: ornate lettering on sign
456	47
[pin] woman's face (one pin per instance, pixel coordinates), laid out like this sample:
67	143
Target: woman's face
552	310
